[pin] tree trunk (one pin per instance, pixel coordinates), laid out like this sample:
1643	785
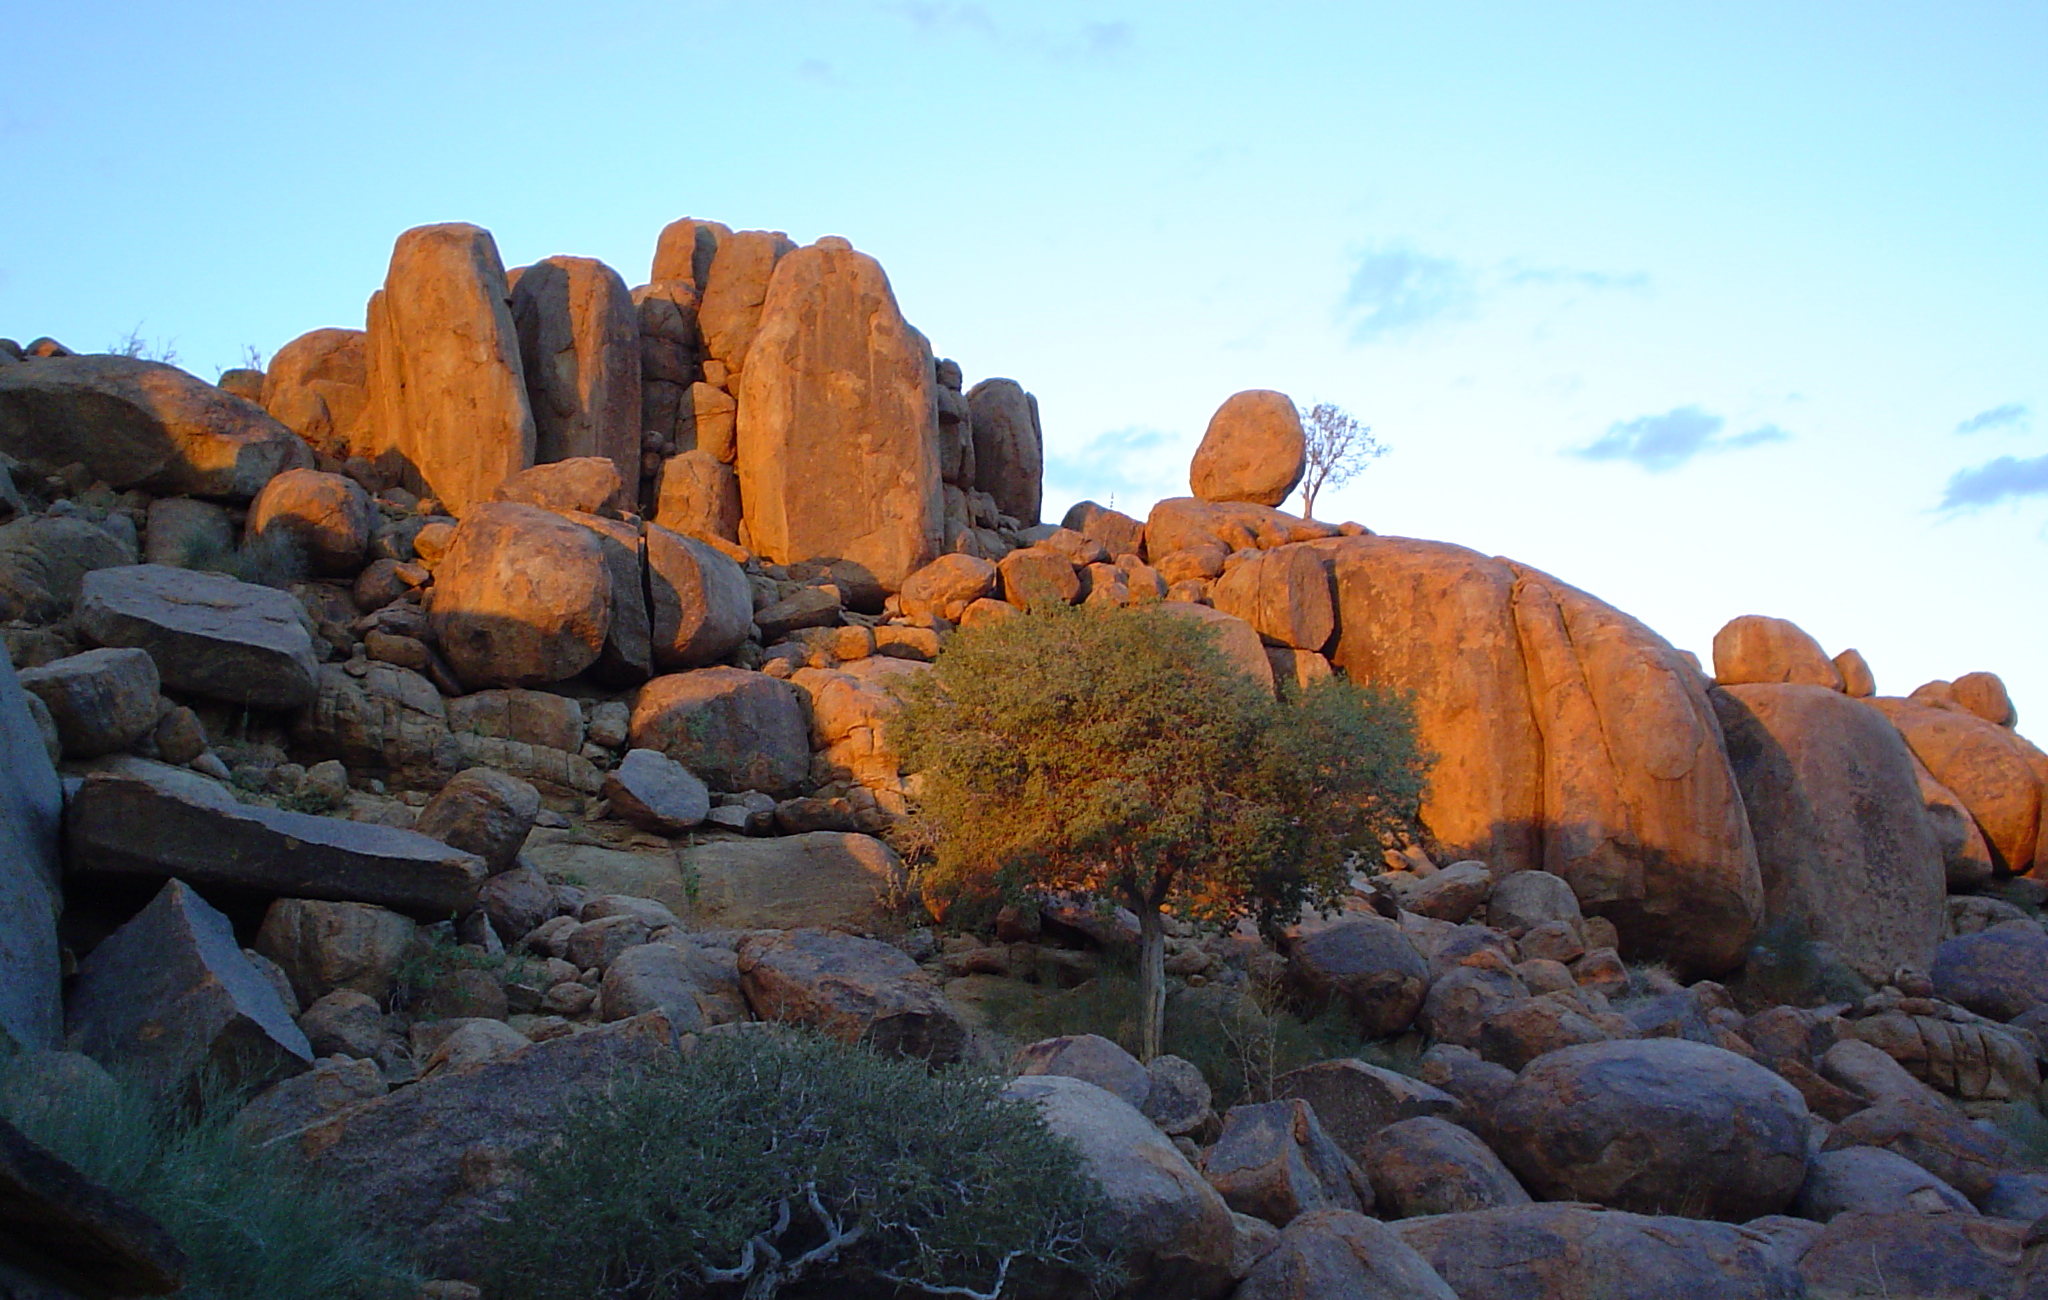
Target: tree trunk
1151	982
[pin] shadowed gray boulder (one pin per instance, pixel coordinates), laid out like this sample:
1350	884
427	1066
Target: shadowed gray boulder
209	634
31	819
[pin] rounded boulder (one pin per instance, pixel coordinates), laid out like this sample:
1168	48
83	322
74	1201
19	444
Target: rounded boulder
1254	450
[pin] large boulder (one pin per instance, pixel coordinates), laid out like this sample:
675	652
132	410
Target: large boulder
170	995
1933	1133
1240	644
1355	1099
701	608
577	485
437	1162
327	516
157	822
1873	1181
1273	1160
1754	649
447	410
139	424
1188	523
1984	694
1253	450
735	729
1342	1255
1578	1252
481	811
209	634
1432	1166
1091	1057
1842	837
390	717
102	700
1914	1254
948	585
44	560
1116	532
818	878
2001	972
1364	964
323	946
852	989
1283	593
1009	447
736	292
317	386
1986	767
698	497
522	598
31	822
838	424
685	251
1656	1126
579	349
1174	1230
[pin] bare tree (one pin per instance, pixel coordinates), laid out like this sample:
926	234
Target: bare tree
1338	447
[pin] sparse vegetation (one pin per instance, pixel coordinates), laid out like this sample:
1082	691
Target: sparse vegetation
436	956
132	344
778	1160
272	559
1338	448
1117	753
1787	966
252	1225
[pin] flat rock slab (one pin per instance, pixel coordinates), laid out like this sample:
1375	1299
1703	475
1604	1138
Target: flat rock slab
69	1231
209	634
171	824
434	1163
852	989
170	994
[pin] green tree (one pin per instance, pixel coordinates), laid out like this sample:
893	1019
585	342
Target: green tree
1338	446
1117	753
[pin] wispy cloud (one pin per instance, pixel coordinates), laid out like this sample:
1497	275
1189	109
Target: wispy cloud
1999	480
1659	443
817	70
1397	290
1133	465
2012	415
1100	41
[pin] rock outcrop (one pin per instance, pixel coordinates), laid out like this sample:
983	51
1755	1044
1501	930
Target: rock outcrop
579	350
1252	451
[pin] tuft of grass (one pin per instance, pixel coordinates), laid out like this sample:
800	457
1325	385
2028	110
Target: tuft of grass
436	956
1788	967
252	1224
784	1161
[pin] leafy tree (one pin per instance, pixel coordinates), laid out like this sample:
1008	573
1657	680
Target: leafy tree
1115	752
1338	448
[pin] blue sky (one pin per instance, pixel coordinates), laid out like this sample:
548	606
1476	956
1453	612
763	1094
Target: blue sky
1709	309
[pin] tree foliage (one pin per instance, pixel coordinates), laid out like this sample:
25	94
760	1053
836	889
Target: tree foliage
782	1160
1338	448
1116	752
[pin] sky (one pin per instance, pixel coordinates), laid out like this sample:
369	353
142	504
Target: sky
1707	309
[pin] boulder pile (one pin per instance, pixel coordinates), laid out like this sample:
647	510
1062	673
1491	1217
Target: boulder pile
491	697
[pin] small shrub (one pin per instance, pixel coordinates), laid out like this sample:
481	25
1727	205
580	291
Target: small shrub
777	1160
142	349
435	956
1788	967
252	1224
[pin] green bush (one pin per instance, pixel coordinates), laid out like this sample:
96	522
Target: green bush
252	1224
771	1160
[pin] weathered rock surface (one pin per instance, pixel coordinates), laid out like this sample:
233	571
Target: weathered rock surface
838	454
855	990
447	410
1756	649
736	292
1118	533
1009	447
1253	450
1871	1181
1188	523
102	700
656	793
1091	1057
43	563
2001	972
685	250
1932	1133
71	1237
31	821
577	485
1984	765
1355	1100
579	351
1842	838
323	946
1273	1160
653	977
484	812
170	994
328	516
1365	964
208	634
1656	1125
1341	1255
701	608
1431	1166
1984	694
737	730
1283	593
172	823
1576	1252
1240	644
436	1162
523	597
1175	1230
948	585
317	386
389	717
139	424
1910	1253
698	497
1968	1060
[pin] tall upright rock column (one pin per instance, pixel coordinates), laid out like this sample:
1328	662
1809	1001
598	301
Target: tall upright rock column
579	349
838	421
448	412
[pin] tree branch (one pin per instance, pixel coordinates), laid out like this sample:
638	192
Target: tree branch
967	1293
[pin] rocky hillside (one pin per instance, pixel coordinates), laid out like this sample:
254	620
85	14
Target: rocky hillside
499	696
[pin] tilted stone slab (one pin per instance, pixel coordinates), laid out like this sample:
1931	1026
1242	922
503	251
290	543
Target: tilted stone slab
155	825
209	634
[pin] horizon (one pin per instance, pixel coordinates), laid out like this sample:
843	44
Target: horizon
1706	312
